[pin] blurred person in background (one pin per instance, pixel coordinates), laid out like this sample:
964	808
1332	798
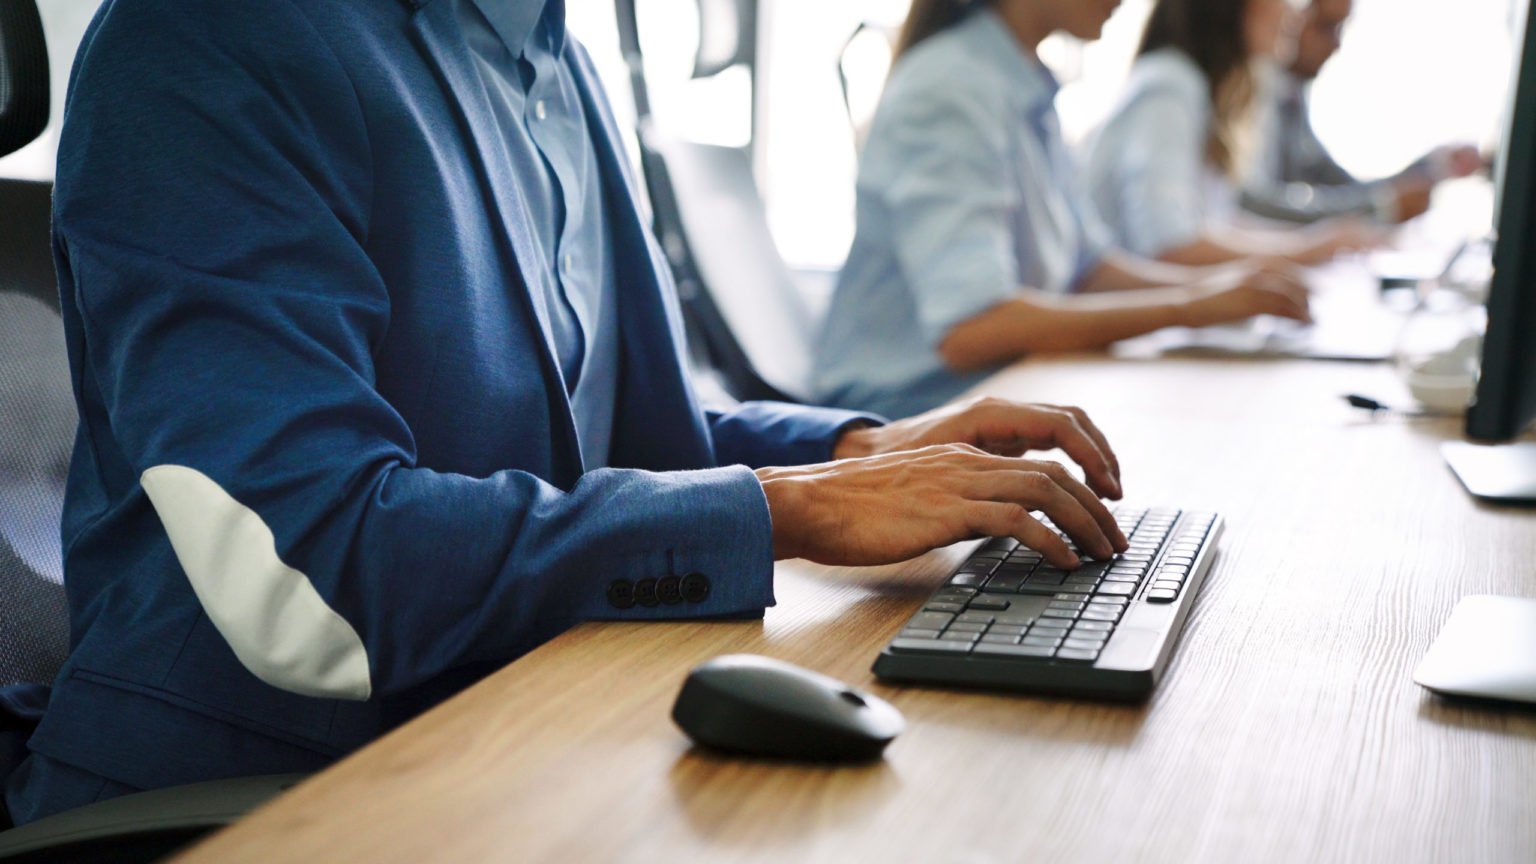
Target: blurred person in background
1296	179
974	243
1163	171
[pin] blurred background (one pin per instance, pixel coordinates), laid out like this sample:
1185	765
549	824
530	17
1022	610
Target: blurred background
1412	74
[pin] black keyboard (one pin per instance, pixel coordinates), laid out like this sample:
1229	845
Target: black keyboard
1007	620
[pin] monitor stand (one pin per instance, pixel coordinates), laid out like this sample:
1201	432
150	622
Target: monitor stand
1505	473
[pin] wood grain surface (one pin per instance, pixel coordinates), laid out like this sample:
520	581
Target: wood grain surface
1288	727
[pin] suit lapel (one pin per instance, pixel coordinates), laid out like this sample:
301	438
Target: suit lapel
436	32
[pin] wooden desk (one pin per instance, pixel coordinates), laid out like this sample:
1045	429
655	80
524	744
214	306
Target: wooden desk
1287	729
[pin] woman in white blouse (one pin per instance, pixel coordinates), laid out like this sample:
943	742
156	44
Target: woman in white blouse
1162	171
975	244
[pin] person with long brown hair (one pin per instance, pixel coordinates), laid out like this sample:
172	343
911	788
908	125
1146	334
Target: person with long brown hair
1165	168
974	243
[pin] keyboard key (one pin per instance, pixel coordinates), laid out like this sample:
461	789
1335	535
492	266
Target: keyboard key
991	650
930	620
1048	579
918	633
1000	639
1066	605
1076	644
929	646
979	565
990	602
1077	654
1107	601
1045	625
967	627
969	580
951	592
1182	560
1058	613
1116	588
942	606
1004	584
1100	614
1122	577
1009	629
1093	626
1041	641
958	636
1170	584
1161	595
975	618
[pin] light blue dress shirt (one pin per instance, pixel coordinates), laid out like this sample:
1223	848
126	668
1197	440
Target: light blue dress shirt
1146	170
518	50
965	193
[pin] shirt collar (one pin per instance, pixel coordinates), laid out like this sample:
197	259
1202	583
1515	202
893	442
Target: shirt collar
996	45
516	21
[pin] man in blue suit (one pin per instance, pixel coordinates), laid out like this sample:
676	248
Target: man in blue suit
381	385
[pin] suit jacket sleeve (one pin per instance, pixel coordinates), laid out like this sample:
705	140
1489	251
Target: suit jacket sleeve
212	218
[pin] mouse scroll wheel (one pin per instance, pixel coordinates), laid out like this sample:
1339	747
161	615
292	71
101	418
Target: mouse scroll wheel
850	696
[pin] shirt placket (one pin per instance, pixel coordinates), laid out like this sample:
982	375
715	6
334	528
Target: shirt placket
545	115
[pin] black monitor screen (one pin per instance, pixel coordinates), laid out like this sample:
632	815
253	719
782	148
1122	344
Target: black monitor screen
1506	391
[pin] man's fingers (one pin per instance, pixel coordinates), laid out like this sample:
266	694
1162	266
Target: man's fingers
1047	426
1044	487
1090	503
1000	519
1087	426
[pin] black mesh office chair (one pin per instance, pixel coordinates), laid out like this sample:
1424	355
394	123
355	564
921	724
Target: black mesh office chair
740	302
37	424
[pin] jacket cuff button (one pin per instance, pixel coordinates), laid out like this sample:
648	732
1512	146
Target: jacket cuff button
695	587
621	594
645	592
669	590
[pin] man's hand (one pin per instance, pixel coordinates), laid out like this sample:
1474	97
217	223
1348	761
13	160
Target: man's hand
887	508
1412	195
1458	160
1001	427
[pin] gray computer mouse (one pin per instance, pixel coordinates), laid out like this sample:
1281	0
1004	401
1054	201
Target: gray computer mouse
744	703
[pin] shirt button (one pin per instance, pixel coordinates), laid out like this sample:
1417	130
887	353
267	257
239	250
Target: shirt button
695	587
539	112
567	264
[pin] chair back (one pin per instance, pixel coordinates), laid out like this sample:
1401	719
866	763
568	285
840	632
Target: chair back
739	300
37	411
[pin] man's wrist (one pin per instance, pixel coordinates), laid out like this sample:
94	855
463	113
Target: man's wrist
857	440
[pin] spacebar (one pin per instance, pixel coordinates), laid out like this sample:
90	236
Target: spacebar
930	646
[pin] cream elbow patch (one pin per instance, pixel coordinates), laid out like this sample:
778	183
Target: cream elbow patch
279	626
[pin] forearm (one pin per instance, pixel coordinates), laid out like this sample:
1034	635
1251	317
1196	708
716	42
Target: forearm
1036	322
1120	271
1210	250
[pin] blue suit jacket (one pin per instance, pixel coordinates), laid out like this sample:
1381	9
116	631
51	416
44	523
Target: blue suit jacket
293	265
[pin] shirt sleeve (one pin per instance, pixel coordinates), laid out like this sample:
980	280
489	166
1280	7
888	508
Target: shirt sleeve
1160	170
1296	179
938	157
759	434
212	235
